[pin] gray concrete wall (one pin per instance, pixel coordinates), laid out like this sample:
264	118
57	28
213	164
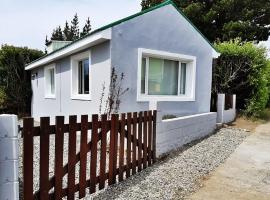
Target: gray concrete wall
166	30
225	116
63	104
174	133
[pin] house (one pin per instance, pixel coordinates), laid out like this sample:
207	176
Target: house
164	57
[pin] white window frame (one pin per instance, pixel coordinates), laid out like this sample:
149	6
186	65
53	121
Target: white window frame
74	76
49	95
190	78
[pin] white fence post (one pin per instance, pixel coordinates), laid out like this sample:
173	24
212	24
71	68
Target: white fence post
9	181
220	107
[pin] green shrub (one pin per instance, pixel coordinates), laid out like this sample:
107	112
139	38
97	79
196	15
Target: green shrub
244	70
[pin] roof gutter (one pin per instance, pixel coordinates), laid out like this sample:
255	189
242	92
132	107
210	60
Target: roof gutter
72	48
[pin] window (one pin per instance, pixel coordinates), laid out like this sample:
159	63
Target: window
80	76
49	74
166	76
83	76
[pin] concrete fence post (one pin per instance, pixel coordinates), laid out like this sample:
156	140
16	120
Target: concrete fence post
9	155
234	101
220	107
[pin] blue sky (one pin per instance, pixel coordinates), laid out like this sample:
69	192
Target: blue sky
26	22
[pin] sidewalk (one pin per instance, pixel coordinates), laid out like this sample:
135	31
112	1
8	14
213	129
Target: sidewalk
246	173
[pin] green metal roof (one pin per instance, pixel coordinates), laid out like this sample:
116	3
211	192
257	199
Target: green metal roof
129	18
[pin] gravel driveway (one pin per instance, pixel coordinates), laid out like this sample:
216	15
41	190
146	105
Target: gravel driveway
172	178
179	174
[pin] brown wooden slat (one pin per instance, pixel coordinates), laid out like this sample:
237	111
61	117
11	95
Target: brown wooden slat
149	138
93	160
154	135
83	155
134	145
28	158
140	142
145	140
122	146
58	171
115	128
44	157
103	151
112	151
71	156
128	144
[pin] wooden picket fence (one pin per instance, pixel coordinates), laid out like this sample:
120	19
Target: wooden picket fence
132	147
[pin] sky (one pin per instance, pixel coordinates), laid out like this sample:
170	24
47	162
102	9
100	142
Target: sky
27	22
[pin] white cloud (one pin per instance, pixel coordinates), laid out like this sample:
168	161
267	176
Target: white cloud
26	23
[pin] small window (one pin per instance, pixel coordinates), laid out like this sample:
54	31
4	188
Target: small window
50	81
83	76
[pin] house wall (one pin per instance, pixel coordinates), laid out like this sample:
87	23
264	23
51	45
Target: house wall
163	29
63	104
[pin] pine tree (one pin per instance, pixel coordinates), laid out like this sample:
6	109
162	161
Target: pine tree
57	34
86	28
66	32
46	41
74	28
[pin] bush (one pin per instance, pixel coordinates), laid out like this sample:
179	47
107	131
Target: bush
244	70
15	82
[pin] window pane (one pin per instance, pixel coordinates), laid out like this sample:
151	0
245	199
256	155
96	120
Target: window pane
183	78
52	81
143	70
86	76
80	71
163	77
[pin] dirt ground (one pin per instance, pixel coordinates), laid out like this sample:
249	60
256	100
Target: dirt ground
245	123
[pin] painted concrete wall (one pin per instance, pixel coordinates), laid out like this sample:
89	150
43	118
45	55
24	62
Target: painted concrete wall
63	104
225	116
174	133
166	30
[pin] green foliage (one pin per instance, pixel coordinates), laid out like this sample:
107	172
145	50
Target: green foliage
70	32
15	82
243	69
222	20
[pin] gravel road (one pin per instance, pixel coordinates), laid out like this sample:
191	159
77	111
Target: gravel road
174	177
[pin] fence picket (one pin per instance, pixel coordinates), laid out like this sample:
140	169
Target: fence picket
93	161
115	128
122	146
58	170
71	156
44	157
154	134
83	155
145	139
140	142
134	144
102	176
149	148
28	158
128	144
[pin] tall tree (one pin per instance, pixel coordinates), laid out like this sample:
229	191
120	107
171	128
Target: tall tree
66	32
86	28
74	28
57	34
221	20
15	82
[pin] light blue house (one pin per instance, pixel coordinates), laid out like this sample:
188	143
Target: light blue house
163	55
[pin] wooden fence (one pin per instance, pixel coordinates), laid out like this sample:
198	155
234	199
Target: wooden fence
132	147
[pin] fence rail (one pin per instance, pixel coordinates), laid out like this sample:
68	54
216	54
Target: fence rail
131	140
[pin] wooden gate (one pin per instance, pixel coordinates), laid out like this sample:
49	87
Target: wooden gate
129	141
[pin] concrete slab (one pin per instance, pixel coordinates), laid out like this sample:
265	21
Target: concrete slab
246	173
